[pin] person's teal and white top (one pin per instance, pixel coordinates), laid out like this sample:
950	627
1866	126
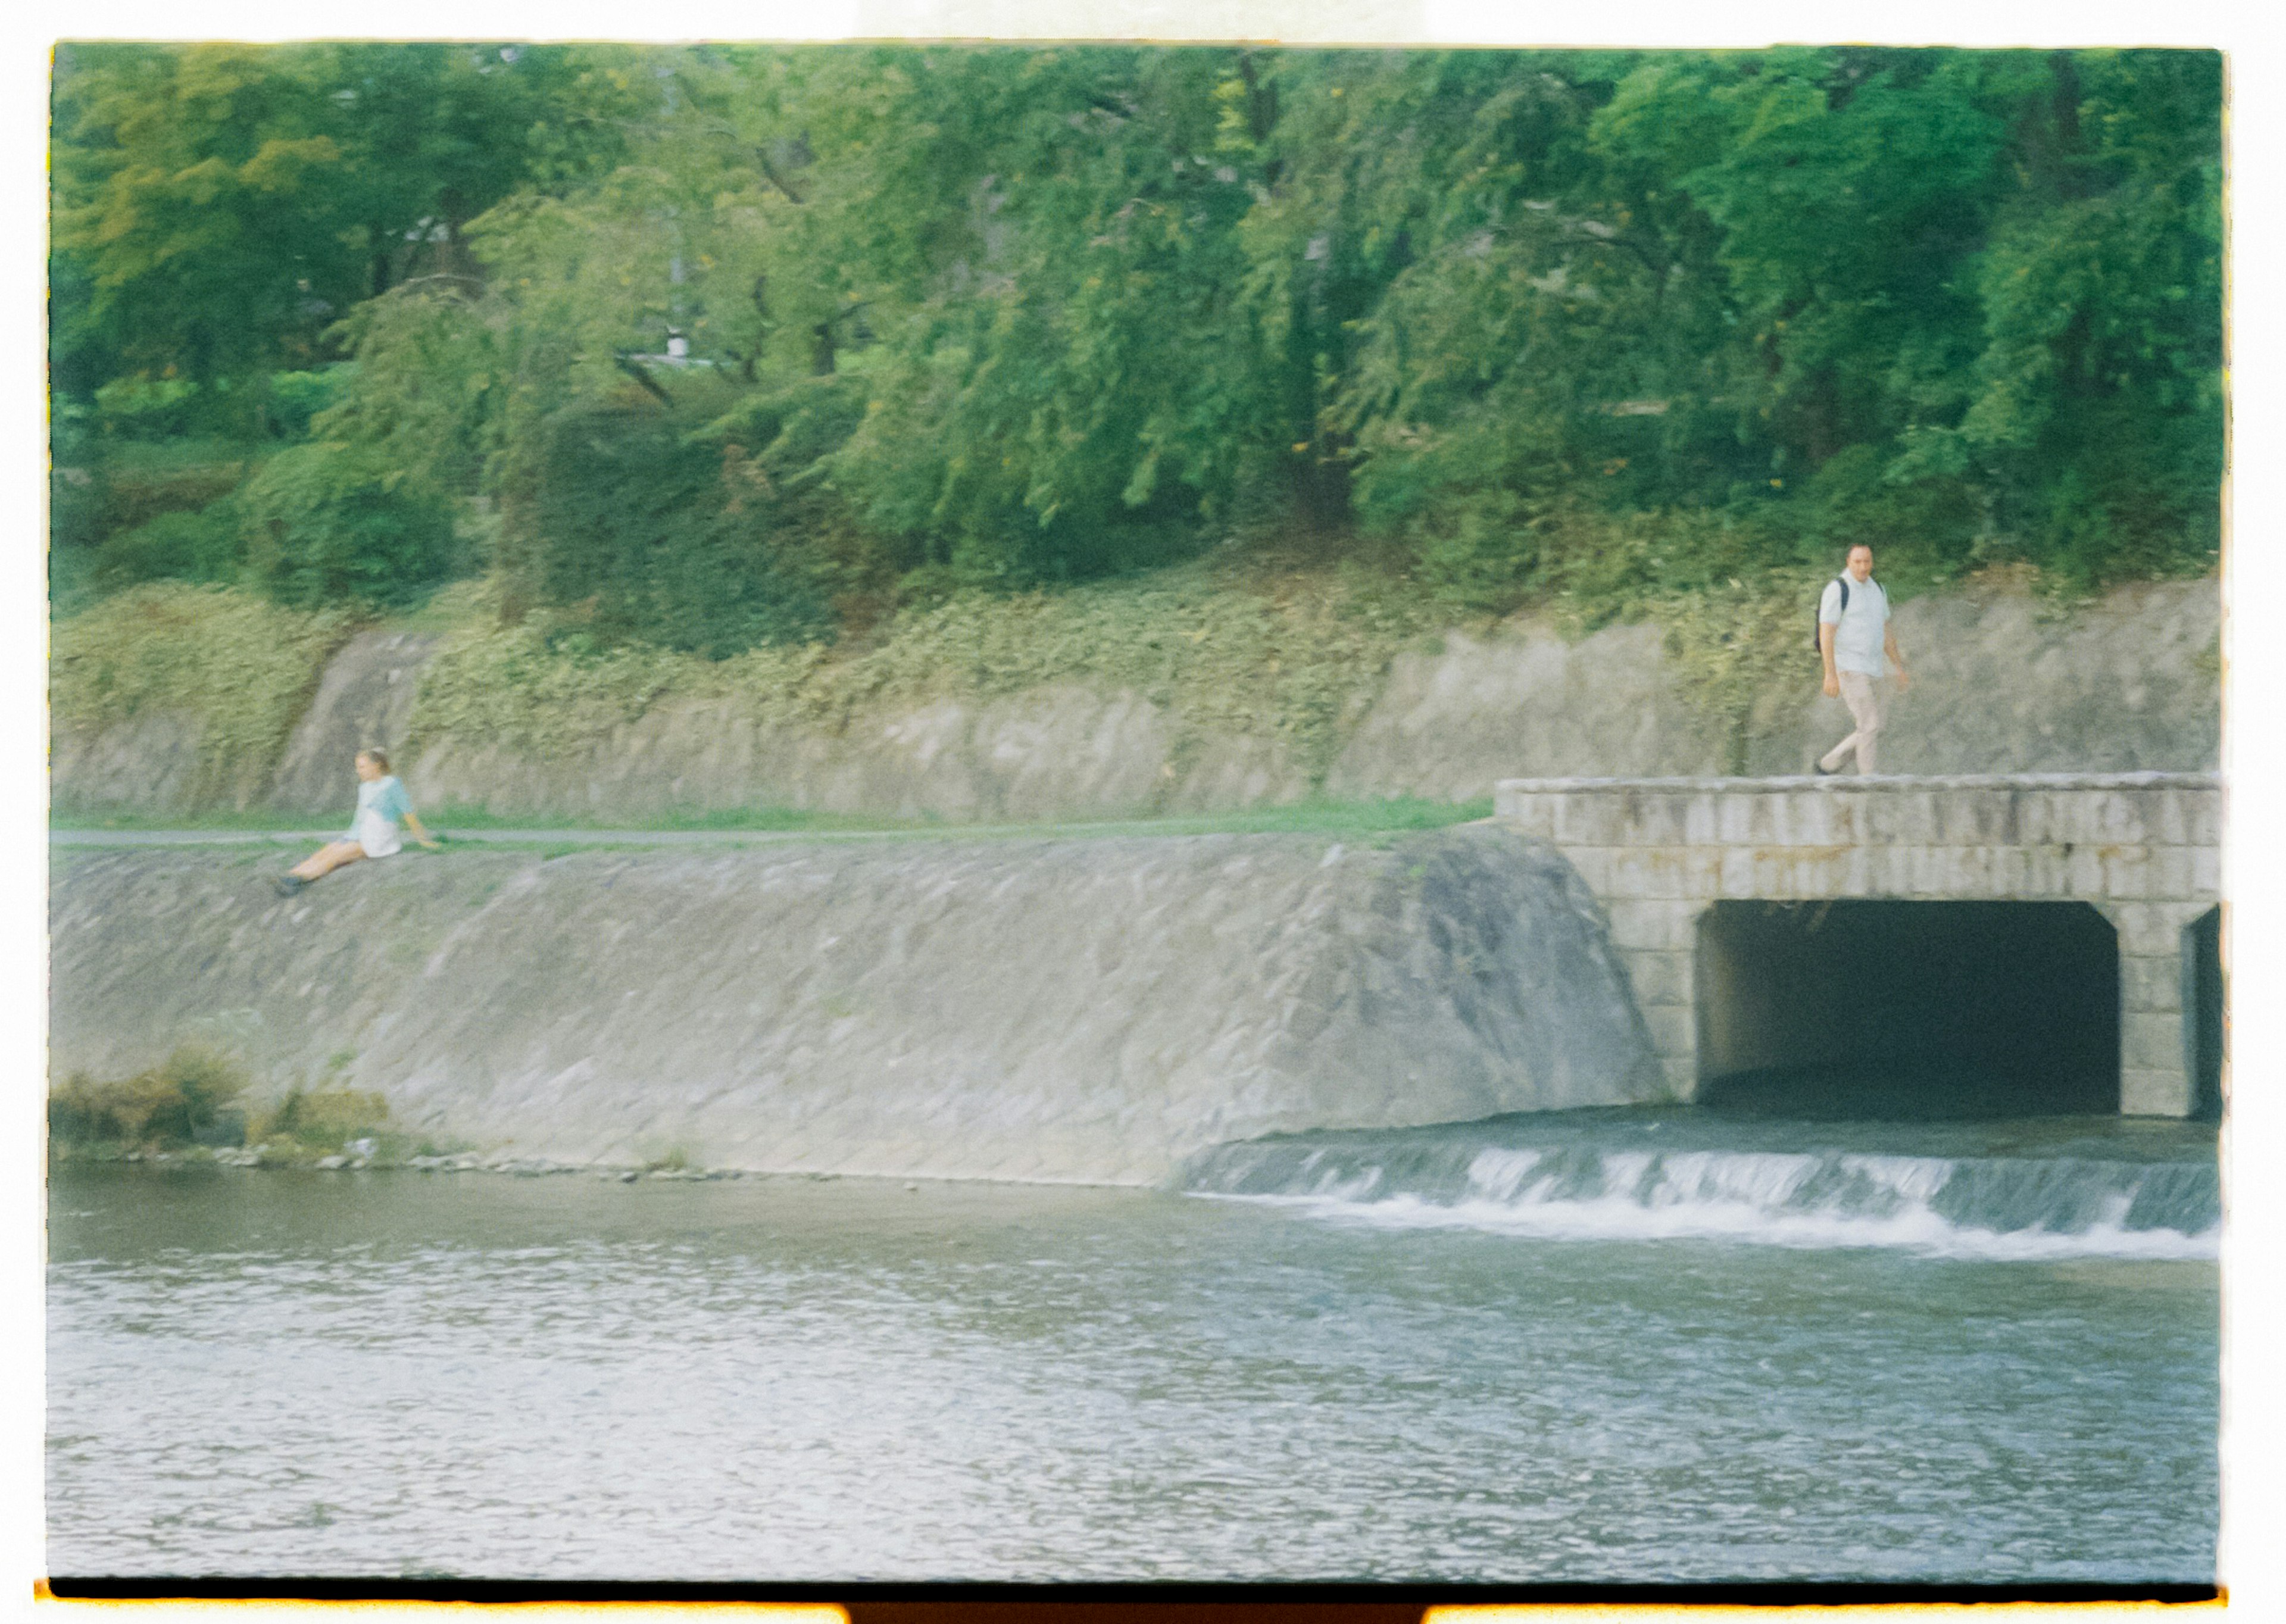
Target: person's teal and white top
1858	631
382	806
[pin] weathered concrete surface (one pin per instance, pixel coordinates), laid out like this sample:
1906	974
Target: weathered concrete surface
149	762
365	700
1058	752
2145	849
1051	1010
2003	685
2000	684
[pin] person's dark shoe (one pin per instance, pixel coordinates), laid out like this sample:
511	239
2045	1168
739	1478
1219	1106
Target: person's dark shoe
289	884
1821	769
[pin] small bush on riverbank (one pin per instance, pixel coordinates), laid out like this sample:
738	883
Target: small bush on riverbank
186	1098
191	1099
318	1121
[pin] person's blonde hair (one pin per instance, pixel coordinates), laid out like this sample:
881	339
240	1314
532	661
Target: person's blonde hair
377	756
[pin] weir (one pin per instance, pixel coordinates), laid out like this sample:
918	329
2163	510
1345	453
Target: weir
2060	933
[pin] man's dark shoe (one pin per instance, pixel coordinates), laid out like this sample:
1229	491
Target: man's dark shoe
289	884
1821	769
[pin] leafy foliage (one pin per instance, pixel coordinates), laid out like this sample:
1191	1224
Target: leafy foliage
332	522
242	665
1294	658
205	545
660	534
748	344
183	1098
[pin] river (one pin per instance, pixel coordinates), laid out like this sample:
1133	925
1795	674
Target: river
1617	1346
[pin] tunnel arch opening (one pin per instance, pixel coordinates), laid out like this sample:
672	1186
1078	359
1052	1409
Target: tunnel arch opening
1875	1008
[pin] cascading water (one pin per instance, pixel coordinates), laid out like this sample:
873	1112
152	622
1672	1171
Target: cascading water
2057	1189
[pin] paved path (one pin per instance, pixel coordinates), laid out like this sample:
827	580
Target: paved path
668	837
510	837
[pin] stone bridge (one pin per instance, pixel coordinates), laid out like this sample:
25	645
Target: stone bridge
2062	929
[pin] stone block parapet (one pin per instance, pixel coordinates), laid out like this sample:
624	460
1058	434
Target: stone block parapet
2145	849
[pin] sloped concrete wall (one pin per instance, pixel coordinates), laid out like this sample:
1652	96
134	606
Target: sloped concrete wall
365	700
1059	751
1079	1010
2003	683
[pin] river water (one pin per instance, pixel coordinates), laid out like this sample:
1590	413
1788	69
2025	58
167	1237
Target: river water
1586	1346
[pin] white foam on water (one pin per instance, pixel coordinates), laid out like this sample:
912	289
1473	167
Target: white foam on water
1751	1198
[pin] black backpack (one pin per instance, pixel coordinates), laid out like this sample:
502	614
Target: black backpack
1817	646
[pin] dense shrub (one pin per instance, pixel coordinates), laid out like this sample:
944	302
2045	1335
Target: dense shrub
332	523
321	1119
204	545
297	397
186	1097
660	532
135	408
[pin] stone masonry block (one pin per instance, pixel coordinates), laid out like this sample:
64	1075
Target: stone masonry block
2205	817
1655	817
2151	930
2167	816
2047	872
2151	1040
1661	978
2151	984
1667	926
1943	871
1914	817
1851	825
2035	818
1702	819
1671	871
2174	874
2127	873
1977	817
1585	817
1806	817
1529	814
2206	873
1674	1029
1808	875
2154	1092
1650	817
1593	863
1904	870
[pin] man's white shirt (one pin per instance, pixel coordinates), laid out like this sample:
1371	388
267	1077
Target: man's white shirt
1860	629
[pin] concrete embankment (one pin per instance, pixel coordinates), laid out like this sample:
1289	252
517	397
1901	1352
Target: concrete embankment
2004	682
1081	1010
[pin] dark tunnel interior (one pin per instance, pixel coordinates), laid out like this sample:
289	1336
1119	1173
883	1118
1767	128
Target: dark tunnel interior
2204	1005
1857	1008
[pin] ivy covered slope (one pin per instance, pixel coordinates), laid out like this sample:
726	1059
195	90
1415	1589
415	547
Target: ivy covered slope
828	375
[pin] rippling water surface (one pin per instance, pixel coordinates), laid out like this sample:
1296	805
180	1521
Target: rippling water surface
1603	1346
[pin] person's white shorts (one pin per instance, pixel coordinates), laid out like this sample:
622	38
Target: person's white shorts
378	836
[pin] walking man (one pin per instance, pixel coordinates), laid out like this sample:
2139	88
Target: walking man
1854	638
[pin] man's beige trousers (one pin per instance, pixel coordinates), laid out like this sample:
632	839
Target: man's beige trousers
1868	699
